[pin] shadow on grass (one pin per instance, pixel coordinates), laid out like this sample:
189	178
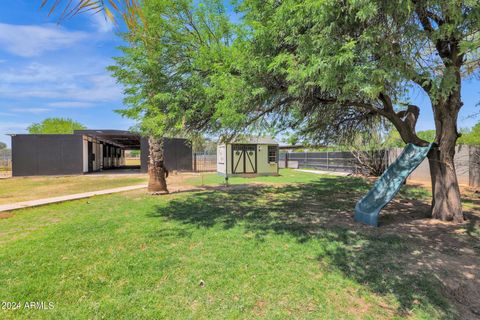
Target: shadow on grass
322	211
473	221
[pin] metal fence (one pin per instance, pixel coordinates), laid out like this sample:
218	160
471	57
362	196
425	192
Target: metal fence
5	161
330	161
467	163
204	162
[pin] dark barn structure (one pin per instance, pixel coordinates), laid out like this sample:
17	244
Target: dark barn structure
87	151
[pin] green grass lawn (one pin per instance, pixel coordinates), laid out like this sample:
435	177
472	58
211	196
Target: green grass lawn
287	176
31	188
271	252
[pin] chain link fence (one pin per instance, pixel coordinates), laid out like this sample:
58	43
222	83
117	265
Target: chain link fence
340	161
467	163
204	162
5	162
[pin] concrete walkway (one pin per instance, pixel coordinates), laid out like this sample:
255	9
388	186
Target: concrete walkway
332	173
41	202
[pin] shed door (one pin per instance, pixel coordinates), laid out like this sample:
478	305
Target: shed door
244	158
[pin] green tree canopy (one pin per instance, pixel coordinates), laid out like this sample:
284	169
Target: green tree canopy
3	145
55	126
393	138
468	137
326	69
171	66
471	136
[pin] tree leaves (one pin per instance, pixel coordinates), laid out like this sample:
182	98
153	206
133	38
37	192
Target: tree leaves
317	67
55	126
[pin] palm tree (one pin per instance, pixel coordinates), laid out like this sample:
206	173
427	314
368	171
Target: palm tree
131	14
129	10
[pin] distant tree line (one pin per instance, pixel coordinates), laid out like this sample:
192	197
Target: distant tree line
467	137
55	126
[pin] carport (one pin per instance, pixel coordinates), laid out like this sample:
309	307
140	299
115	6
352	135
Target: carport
87	151
105	149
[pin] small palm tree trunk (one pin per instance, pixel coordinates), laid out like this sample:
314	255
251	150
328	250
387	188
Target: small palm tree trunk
157	173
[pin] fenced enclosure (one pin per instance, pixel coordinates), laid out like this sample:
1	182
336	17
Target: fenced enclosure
132	161
132	158
467	163
5	162
341	161
203	162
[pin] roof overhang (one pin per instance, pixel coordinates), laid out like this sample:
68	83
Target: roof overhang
119	138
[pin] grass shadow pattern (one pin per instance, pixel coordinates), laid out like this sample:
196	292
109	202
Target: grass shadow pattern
386	260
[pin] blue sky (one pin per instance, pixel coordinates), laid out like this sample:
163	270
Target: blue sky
52	70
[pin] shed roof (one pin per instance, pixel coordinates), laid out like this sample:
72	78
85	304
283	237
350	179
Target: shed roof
254	140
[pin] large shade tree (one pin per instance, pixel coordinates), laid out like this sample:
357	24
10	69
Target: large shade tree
323	68
326	69
331	65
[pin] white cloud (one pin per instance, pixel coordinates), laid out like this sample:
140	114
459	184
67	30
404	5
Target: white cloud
33	40
33	72
13	127
89	90
69	83
101	23
30	110
70	104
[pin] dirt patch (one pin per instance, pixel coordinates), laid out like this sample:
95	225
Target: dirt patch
5	174
259	308
5	215
447	252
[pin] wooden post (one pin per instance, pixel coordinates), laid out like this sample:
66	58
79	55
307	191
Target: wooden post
195	162
286	160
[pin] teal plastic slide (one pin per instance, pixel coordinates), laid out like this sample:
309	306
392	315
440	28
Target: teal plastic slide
389	183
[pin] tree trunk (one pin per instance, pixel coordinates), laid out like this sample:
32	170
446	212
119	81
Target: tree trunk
446	203
446	200
157	173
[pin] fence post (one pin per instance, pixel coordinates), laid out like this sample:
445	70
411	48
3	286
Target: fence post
286	160
474	166
306	159
195	162
328	166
